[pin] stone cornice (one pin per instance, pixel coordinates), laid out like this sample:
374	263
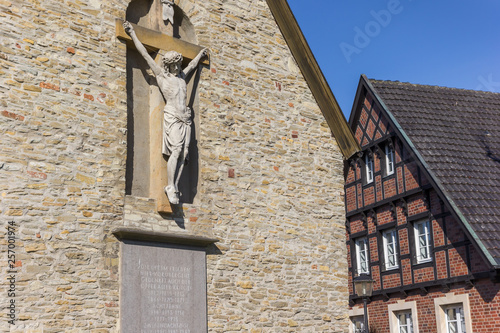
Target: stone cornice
135	234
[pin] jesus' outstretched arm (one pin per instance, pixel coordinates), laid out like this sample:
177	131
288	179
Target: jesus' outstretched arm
142	50
193	63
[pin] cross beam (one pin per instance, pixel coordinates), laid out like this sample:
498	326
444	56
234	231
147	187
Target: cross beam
155	40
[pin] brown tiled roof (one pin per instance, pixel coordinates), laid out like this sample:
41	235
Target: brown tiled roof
456	132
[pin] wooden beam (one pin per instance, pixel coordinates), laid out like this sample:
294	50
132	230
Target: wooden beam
155	40
314	77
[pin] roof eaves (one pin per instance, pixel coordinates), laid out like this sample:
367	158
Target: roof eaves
432	177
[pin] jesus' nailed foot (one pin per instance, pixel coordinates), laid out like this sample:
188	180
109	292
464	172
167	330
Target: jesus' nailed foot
172	195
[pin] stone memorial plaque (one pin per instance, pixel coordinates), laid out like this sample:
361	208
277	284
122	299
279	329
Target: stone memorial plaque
163	288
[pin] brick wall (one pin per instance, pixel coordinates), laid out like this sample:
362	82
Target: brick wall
484	299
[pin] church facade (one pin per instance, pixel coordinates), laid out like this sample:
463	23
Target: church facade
87	227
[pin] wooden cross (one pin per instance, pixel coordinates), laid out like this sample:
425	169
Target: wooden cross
155	41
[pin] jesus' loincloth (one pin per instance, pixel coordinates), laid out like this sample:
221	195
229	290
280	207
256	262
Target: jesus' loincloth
176	130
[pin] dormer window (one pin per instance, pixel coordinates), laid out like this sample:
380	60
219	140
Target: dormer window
369	168
389	159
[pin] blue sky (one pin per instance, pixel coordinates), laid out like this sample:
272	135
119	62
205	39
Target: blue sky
446	43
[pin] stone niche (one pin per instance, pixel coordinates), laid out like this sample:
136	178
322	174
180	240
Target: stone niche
163	283
146	173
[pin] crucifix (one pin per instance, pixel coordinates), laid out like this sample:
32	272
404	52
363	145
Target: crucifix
168	138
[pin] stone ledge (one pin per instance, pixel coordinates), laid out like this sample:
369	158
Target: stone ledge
162	237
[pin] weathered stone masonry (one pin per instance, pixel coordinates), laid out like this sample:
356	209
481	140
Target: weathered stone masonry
270	185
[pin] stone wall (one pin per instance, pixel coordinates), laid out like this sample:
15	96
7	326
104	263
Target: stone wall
270	184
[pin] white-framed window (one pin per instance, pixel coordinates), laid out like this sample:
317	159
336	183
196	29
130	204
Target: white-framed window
356	316
405	324
390	249
423	241
357	324
389	160
403	317
455	320
369	168
453	313
362	256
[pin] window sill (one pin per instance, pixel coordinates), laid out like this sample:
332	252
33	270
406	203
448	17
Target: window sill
388	269
368	184
422	262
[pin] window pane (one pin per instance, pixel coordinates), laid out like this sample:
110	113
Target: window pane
421	228
362	255
423	252
455	321
462	319
390	253
452	315
357	323
404	322
369	168
389	156
422	238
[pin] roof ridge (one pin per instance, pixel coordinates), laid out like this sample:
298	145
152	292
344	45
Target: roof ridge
397	82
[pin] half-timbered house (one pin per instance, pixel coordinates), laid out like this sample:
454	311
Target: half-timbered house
423	208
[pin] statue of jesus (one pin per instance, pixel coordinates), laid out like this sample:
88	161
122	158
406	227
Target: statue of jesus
176	114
